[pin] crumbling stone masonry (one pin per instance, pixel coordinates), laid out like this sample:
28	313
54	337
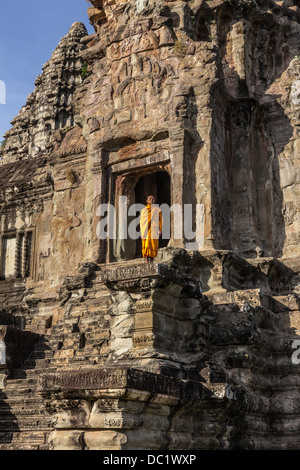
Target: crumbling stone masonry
197	102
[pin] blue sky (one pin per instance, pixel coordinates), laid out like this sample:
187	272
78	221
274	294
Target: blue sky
30	31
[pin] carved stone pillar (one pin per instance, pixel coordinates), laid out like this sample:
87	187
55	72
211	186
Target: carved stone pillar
18	256
124	247
25	253
8	257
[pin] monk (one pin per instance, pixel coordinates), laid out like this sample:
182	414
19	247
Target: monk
151	229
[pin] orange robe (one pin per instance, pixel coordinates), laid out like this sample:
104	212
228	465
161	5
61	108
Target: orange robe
151	224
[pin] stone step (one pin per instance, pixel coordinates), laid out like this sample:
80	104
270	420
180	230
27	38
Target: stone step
20	391
33	373
23	404
91	353
55	338
41	346
39	364
24	440
21	424
84	362
25	412
22	381
43	361
20	447
35	355
282	303
30	405
289	320
12	405
97	291
254	297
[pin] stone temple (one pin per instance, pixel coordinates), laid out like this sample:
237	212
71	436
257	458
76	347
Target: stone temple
197	102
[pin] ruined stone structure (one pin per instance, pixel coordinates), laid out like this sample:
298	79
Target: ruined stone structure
196	102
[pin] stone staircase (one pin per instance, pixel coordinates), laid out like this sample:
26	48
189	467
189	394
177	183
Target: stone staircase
24	424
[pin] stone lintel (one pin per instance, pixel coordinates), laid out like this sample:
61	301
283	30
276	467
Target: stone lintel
121	380
136	276
133	164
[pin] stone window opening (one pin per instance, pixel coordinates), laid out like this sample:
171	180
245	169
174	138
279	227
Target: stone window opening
16	254
203	27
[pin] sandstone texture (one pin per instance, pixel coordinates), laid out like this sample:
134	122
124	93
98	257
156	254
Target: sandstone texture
196	102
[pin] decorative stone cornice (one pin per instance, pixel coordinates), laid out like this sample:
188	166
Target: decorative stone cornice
117	378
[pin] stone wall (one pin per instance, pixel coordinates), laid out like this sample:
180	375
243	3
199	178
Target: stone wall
196	102
206	92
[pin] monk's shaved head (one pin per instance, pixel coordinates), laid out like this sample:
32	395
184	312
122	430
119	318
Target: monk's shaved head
150	199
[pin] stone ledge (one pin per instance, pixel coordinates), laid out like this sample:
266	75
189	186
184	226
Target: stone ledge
136	275
74	383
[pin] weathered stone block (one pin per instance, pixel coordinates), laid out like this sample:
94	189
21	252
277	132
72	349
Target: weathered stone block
66	440
104	440
70	414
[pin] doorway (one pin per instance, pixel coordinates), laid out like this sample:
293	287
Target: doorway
158	184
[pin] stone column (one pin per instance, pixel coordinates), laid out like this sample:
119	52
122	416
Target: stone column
18	256
98	250
25	260
96	194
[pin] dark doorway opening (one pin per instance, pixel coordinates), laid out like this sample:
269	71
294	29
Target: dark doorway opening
158	184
